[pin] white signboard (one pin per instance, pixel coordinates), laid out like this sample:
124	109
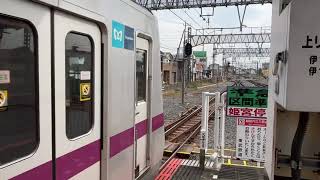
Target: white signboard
251	138
85	75
4	77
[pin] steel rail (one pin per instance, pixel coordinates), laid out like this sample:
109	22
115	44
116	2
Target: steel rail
179	123
173	123
197	130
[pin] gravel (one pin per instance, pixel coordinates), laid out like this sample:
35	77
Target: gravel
172	108
230	134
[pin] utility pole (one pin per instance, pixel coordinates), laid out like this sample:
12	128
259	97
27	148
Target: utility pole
257	68
187	52
190	64
183	86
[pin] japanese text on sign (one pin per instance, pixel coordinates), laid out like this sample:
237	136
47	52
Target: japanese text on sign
247	97
313	65
310	43
251	139
250	106
247	112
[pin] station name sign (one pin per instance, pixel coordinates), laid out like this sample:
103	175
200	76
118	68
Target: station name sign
249	107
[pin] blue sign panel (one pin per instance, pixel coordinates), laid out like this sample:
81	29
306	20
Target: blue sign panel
122	36
117	35
129	38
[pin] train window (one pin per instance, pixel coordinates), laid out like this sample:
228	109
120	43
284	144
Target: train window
141	74
79	86
19	134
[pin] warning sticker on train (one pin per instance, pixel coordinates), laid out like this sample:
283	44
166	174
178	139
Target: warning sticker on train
85	92
3	99
4	77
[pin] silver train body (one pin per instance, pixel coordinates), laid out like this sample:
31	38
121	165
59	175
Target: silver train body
80	90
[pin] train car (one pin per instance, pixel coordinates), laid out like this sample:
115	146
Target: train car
80	90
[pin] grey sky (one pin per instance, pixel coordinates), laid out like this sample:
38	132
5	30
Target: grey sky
171	27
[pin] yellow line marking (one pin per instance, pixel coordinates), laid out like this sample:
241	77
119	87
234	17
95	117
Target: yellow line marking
229	149
183	152
245	163
196	152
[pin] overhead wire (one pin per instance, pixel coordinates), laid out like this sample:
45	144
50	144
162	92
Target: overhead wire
168	48
200	16
178	16
192	19
182	19
186	21
170	21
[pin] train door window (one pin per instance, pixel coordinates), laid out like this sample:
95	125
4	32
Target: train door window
19	132
79	86
141	74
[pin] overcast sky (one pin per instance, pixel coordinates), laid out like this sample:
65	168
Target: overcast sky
171	27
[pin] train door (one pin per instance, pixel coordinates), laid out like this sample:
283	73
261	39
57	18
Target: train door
25	87
141	117
77	77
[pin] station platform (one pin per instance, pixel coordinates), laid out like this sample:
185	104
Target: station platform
188	169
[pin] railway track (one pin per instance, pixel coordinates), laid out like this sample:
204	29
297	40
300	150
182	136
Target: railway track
177	131
257	84
181	118
238	83
249	83
188	125
186	128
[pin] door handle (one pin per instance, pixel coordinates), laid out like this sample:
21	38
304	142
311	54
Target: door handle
137	113
281	57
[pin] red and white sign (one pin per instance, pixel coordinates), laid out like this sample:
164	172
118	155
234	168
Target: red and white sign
247	112
251	138
252	122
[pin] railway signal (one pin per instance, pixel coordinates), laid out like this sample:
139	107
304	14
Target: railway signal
188	50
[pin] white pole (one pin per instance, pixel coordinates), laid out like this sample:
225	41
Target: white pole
217	122
223	120
203	121
207	118
204	130
205	125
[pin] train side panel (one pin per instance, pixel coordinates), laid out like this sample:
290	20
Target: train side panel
119	111
19	57
121	130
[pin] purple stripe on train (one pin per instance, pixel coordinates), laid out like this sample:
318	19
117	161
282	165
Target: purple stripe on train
73	163
121	141
141	128
157	122
125	139
67	165
39	173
